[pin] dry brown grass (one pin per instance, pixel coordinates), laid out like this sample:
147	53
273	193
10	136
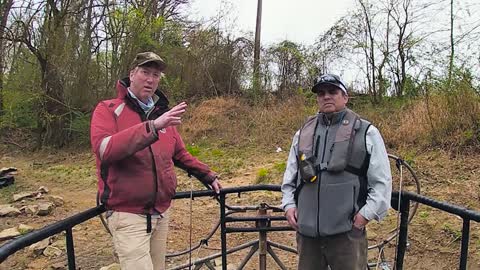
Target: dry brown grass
450	121
441	120
233	122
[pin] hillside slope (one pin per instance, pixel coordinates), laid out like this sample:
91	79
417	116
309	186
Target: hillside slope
247	145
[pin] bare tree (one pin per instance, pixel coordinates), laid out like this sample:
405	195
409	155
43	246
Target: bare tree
402	17
288	58
369	51
384	48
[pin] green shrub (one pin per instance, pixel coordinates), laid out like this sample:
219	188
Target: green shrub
280	167
19	110
263	176
80	129
193	150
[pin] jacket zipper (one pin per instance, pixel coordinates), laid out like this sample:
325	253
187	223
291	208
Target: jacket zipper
320	177
154	169
155	182
144	116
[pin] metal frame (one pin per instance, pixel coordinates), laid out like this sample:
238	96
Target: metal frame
262	227
36	236
406	198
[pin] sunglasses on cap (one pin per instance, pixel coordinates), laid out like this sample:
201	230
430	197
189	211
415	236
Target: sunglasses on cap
331	79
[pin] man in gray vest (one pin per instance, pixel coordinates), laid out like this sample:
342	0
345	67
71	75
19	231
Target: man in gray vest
337	179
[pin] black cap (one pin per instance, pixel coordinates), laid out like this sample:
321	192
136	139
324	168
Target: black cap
330	79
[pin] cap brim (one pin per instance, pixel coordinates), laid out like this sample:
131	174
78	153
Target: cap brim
160	63
319	85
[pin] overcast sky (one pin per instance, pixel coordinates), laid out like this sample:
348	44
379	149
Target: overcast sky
300	21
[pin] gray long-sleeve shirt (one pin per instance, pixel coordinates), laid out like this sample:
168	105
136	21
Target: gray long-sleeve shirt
378	174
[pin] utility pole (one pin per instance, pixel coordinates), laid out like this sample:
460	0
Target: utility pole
256	53
452	46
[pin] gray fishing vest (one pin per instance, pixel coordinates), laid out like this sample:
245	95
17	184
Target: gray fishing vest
336	149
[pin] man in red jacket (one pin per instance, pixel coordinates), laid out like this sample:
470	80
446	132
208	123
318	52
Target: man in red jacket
137	146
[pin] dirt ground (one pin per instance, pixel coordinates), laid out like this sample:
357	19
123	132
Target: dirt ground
434	236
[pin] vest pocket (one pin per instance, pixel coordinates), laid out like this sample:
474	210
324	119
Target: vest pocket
307	208
337	203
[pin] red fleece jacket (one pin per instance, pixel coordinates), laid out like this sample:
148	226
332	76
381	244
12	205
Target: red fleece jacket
135	162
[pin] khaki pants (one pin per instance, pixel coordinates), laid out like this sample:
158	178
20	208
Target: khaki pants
137	249
345	251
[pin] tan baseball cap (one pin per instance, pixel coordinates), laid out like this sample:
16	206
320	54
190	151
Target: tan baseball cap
146	57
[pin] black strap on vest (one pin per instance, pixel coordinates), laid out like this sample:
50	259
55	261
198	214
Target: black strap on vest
358	171
149	223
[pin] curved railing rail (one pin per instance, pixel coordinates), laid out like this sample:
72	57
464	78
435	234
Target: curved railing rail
406	197
403	207
63	225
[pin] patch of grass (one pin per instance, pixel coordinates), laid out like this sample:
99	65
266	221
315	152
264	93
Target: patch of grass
263	176
423	214
280	166
78	175
7	192
194	150
223	160
454	233
217	153
409	156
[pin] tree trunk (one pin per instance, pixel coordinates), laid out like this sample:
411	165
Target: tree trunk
53	110
54	113
5	7
371	54
83	84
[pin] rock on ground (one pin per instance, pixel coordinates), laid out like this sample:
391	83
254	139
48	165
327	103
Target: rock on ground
9	211
9	234
23	195
45	208
23	229
52	252
57	200
39	247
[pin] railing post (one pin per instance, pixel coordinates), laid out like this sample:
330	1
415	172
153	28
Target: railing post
403	232
262	237
223	231
70	249
465	238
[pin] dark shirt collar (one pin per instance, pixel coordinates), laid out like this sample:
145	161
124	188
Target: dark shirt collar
331	118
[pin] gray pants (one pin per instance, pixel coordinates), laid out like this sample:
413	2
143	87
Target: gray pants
344	251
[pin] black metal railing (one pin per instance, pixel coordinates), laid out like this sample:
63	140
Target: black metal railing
406	197
36	236
403	207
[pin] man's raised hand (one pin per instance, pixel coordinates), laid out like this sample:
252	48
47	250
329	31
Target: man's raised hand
171	118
